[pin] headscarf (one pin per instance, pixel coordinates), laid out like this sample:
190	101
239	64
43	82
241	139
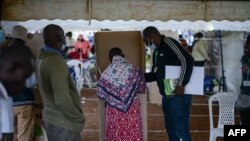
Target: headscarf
119	83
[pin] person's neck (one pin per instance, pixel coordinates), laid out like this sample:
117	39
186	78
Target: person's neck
53	45
51	49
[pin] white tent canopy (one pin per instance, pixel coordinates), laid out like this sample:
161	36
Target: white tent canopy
76	25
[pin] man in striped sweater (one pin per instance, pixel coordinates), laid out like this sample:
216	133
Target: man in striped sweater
176	107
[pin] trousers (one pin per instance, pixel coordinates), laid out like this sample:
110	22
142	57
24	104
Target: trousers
24	122
55	133
176	111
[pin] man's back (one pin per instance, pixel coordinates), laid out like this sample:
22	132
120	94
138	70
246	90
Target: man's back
171	53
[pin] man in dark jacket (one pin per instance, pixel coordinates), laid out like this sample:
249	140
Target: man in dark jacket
176	107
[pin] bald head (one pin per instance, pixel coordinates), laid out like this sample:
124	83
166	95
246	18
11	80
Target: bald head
53	36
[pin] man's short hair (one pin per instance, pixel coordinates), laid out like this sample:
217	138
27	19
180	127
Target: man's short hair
198	35
150	30
51	32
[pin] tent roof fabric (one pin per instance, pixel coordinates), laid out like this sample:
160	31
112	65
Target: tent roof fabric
150	10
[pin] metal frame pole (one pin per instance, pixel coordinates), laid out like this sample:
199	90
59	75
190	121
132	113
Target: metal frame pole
222	82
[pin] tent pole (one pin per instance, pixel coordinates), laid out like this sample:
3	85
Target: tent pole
222	82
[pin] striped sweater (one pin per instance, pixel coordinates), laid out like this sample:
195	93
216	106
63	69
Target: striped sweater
171	53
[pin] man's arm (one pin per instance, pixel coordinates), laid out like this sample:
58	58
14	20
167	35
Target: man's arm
61	90
186	65
150	77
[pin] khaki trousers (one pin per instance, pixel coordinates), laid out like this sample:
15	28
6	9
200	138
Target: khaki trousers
24	122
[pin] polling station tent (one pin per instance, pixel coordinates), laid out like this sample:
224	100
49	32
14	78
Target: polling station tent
129	14
206	15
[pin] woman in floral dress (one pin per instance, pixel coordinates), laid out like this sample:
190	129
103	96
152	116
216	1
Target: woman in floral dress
119	86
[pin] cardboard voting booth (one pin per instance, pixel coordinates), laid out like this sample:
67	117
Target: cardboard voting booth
133	47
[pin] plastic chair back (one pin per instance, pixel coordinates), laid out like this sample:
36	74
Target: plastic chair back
226	101
76	70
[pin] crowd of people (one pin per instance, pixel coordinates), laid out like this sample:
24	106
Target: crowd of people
119	86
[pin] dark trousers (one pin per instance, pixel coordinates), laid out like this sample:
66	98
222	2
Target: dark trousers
199	63
245	116
7	136
55	133
176	111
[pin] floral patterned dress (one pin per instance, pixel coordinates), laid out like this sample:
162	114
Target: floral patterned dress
119	86
120	126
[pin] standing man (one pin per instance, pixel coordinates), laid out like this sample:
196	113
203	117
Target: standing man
63	118
199	51
245	84
24	112
17	63
176	108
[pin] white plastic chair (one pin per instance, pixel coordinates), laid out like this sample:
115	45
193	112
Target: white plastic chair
226	101
86	73
78	67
